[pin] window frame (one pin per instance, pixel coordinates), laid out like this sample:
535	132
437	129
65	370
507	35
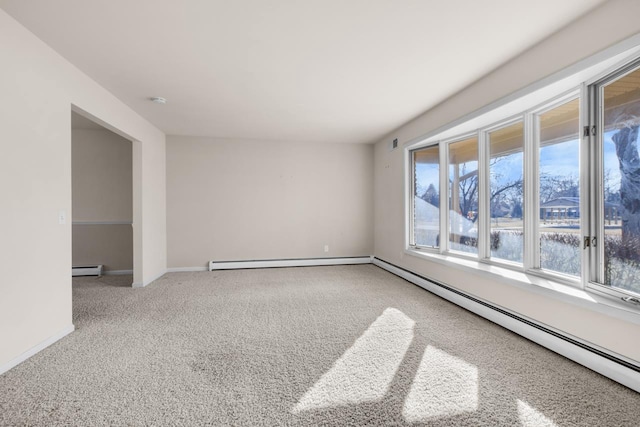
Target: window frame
533	229
412	183
594	280
485	142
525	104
444	197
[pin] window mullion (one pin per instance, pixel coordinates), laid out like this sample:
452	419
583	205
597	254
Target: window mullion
596	225
589	178
444	197
484	217
531	178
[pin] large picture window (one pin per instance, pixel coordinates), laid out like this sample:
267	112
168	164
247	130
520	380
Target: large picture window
551	190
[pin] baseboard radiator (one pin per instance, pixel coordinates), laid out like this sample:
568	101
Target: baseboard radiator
278	263
616	367
87	270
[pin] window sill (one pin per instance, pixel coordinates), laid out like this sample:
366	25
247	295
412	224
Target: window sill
606	305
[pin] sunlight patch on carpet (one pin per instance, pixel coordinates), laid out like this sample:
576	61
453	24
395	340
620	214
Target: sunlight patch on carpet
531	417
365	371
444	385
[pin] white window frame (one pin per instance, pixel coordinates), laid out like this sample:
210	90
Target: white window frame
594	279
533	207
411	200
524	104
444	197
485	149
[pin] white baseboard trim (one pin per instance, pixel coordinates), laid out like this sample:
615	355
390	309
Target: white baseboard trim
273	263
145	283
181	269
117	272
37	348
616	367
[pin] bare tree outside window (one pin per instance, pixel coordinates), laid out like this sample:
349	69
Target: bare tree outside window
506	192
621	192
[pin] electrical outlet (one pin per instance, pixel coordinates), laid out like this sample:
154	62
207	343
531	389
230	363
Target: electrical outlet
326	248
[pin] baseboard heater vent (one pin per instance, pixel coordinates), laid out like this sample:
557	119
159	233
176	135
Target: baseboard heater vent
275	263
624	371
87	270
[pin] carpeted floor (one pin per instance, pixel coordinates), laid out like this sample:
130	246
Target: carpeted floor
346	345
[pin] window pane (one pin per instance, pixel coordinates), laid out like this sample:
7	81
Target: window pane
463	195
426	215
621	189
559	219
506	199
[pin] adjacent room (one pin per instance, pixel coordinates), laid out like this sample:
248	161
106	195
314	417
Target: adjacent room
102	195
320	213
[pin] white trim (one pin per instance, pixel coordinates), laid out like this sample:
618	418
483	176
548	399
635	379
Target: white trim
444	196
588	185
531	163
602	365
231	265
145	283
180	269
483	224
36	349
409	202
117	272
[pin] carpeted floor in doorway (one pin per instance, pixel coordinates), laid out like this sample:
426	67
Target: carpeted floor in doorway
345	345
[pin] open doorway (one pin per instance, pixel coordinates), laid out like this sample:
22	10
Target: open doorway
102	202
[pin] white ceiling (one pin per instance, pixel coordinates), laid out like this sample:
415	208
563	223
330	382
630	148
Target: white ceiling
290	70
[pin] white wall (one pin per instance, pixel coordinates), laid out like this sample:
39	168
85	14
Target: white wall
102	186
101	176
612	22
110	245
246	200
38	90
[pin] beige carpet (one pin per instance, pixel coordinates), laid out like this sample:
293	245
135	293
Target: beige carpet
348	345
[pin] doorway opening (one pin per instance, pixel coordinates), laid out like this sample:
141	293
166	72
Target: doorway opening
102	202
